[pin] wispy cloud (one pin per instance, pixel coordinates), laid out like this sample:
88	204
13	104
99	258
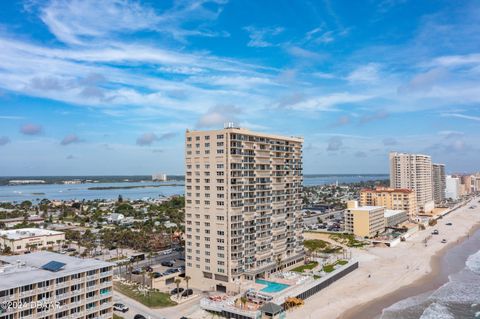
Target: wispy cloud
462	116
262	37
11	117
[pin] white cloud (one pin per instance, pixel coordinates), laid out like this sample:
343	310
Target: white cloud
328	101
462	116
261	37
365	73
302	53
81	21
219	115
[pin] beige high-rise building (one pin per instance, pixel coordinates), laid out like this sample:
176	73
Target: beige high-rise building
243	205
414	172
390	198
439	183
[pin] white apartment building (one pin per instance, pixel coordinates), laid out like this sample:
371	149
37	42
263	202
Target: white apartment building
243	206
25	239
439	183
53	286
453	187
414	172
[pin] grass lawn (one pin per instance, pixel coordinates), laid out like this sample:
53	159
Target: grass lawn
342	262
308	266
115	316
321	246
328	268
152	300
348	240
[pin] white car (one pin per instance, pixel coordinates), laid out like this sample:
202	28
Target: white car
120	307
167	252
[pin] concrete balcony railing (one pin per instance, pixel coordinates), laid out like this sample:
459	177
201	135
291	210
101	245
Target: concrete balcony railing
8	298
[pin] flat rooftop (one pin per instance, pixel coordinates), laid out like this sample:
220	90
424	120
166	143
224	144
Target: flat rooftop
366	208
393	212
16	234
26	269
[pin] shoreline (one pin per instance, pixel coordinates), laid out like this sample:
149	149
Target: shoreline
435	279
389	274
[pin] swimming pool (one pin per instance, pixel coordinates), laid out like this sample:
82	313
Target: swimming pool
271	286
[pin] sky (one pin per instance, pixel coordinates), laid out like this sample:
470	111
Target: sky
109	87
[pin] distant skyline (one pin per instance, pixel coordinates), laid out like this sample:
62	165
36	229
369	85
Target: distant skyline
109	87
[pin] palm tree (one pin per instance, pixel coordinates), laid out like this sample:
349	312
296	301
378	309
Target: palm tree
177	282
150	275
187	279
243	301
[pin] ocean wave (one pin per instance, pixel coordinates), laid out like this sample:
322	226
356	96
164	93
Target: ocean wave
458	292
409	302
437	311
473	262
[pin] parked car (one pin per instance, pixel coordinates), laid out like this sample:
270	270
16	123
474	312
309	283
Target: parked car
70	250
136	271
139	316
448	224
120	307
187	293
171	270
167	263
444	241
148	269
176	291
157	275
167	252
435	232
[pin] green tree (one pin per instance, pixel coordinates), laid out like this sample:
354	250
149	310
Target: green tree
177	283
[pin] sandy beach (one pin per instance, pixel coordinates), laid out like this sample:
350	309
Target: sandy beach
386	275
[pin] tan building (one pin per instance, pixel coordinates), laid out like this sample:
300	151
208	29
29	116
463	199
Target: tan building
243	205
30	239
413	172
364	221
50	285
394	217
439	183
390	198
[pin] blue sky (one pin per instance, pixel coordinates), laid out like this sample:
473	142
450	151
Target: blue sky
109	87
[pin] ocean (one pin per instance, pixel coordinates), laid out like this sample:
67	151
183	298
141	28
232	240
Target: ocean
458	298
135	190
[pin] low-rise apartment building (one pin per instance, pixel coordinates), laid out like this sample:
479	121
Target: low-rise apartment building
46	285
390	198
27	239
364	221
393	218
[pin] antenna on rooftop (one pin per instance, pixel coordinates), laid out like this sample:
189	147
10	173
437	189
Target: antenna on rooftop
230	125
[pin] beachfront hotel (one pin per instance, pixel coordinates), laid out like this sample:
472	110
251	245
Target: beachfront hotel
243	205
413	172
27	239
390	198
439	183
364	221
49	285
